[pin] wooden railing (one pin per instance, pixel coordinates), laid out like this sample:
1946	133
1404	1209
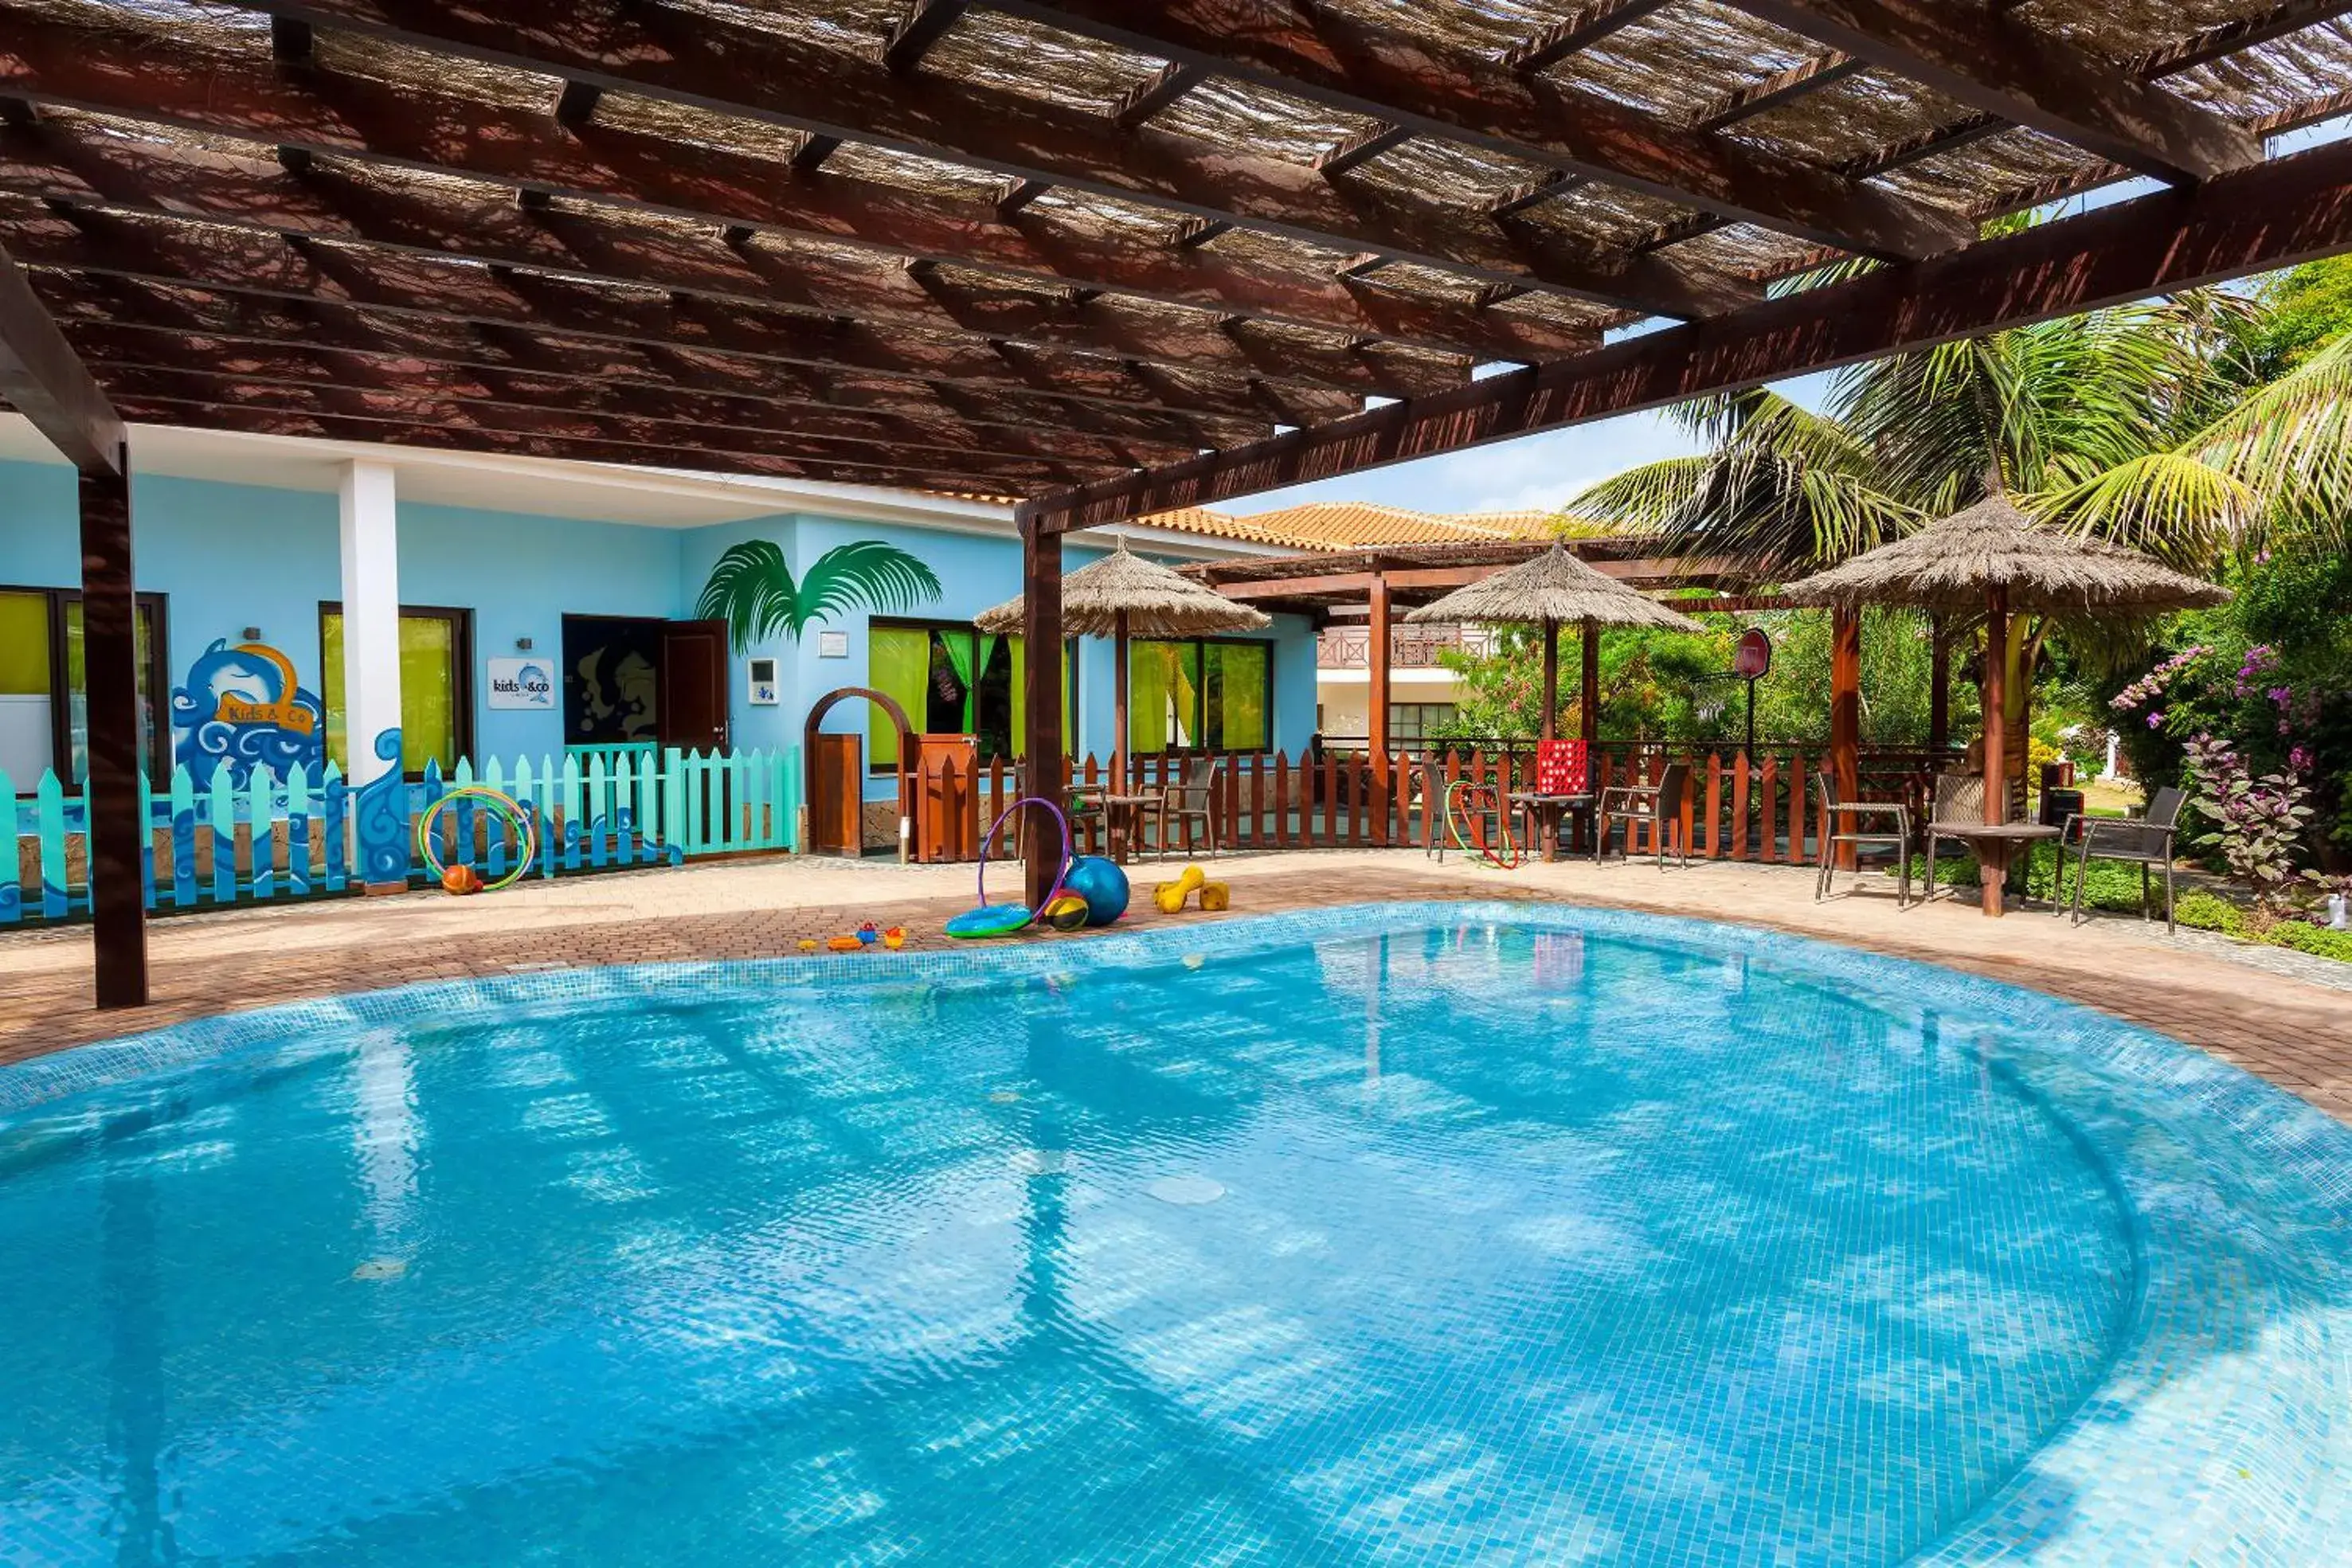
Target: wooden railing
1766	810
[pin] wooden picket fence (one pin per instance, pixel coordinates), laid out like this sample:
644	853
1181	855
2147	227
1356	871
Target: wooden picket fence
1766	810
271	838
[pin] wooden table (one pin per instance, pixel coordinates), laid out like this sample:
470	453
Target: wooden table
1125	814
1996	844
1548	810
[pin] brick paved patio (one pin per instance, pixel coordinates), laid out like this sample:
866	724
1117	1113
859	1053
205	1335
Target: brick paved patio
2292	1030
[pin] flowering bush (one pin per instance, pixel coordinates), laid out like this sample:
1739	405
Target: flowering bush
2259	822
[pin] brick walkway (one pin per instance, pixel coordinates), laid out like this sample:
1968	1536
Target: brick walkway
2291	1031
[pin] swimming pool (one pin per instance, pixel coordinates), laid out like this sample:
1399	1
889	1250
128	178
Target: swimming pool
1429	1234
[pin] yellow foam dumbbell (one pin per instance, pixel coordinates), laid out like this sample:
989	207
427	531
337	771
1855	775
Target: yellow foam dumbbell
1215	897
1170	895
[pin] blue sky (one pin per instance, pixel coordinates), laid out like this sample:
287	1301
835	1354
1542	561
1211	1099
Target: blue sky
1544	471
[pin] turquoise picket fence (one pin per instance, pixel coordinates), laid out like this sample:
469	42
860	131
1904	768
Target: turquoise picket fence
225	843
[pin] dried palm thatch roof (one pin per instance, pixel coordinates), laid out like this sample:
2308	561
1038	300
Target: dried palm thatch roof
1553	586
1952	565
1153	602
1026	247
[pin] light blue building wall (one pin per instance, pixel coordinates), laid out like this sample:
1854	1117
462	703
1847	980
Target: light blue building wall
230	557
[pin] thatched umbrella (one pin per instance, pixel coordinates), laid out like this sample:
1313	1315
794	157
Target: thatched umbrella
1991	555
1123	596
1546	591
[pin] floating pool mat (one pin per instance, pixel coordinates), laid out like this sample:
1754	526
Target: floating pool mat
1005	919
496	803
1475	804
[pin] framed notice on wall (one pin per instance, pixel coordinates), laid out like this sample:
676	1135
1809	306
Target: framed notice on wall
832	644
527	683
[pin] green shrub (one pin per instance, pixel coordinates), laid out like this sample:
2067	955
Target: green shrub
2316	939
2205	911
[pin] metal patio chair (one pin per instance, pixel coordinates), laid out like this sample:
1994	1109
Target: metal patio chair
1193	800
1660	804
1958	804
1851	822
2147	841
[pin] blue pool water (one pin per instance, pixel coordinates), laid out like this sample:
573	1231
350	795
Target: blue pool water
1415	1235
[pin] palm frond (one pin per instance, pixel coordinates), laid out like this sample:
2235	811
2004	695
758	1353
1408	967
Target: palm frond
2172	505
864	572
752	590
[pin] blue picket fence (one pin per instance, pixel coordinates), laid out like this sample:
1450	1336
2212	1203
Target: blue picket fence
267	838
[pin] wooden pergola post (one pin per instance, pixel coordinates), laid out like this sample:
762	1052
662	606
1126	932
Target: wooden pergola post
1846	712
1380	654
44	380
1991	860
1041	617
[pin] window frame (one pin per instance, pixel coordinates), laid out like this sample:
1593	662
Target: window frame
159	678
934	624
461	652
1200	724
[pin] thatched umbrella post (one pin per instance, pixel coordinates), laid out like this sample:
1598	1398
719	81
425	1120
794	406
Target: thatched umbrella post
1118	702
1545	591
1991	555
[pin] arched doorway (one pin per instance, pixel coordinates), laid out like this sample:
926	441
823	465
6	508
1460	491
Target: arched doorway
837	775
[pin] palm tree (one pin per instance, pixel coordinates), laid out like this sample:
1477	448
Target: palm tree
753	588
2046	408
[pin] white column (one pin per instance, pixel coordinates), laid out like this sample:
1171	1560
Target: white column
371	617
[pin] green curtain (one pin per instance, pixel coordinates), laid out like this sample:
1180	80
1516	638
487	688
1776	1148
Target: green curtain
429	690
899	666
958	646
23	645
1021	701
1163	696
1237	679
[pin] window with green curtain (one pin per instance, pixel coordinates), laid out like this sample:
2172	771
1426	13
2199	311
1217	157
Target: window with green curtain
1236	687
899	666
24	644
151	740
433	692
1163	696
1020	669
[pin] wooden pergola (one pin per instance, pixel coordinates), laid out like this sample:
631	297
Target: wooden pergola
1104	257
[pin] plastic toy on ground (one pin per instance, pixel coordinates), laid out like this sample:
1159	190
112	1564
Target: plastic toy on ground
895	938
844	944
1477	804
1170	895
460	879
1068	912
1216	897
1005	919
1101	884
494	801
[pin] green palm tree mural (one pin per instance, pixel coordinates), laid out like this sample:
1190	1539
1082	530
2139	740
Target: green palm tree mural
752	590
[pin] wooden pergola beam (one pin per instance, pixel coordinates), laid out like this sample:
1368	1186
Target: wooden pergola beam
2003	66
237	261
324	113
83	302
58	163
2278	213
1320	54
507	444
418	401
45	379
117	345
1580	29
766	76
2224	39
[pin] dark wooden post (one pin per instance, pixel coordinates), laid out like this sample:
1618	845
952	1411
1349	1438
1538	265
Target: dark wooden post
1376	722
1846	716
1991	858
118	829
1041	627
1939	687
1588	699
1117	702
1551	680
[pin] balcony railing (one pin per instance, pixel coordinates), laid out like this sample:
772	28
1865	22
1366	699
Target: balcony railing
1410	647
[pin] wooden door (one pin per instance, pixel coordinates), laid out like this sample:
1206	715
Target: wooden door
836	806
693	713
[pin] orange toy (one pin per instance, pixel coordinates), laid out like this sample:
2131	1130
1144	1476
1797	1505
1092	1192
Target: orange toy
844	944
460	879
895	938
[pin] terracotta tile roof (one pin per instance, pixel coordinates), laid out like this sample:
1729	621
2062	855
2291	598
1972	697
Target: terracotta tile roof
1350	525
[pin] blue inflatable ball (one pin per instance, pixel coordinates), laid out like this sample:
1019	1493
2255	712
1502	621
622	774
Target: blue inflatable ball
1102	884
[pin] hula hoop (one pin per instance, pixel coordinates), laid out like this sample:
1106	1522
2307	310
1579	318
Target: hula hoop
1069	849
1478	846
526	832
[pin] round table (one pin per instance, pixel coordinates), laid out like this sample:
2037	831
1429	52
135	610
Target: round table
1995	844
